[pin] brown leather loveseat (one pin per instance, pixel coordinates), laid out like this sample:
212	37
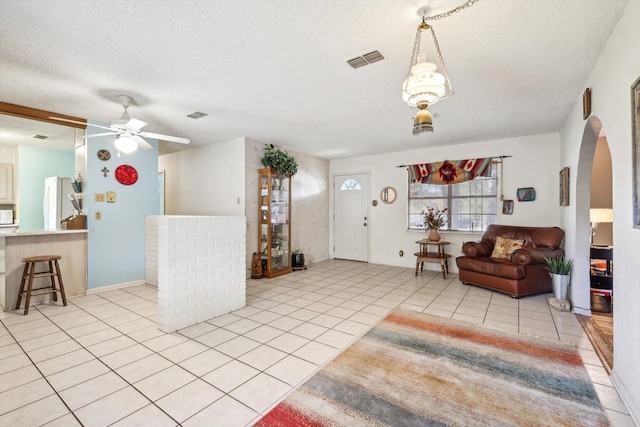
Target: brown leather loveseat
519	273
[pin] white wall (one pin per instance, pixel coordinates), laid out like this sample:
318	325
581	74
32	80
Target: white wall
534	163
206	180
617	68
209	180
198	264
309	203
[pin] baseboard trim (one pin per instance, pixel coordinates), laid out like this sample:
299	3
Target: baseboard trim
583	311
115	286
309	261
632	407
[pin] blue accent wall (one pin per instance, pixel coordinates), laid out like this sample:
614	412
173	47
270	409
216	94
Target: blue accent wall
34	165
116	245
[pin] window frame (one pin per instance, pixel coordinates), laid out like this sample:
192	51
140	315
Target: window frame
449	198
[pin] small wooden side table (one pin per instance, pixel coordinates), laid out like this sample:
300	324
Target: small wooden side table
439	257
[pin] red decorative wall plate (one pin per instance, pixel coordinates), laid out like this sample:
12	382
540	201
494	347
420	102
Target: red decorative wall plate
126	175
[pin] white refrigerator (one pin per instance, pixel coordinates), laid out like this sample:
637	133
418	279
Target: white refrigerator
57	205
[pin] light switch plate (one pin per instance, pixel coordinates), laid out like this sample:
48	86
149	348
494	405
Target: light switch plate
99	197
111	196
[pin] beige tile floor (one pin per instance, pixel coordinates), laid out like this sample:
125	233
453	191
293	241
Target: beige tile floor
101	360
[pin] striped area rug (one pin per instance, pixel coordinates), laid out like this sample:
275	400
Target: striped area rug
414	369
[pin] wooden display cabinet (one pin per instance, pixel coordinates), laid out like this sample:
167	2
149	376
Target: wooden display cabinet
274	223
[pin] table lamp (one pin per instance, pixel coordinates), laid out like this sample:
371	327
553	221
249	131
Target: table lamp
599	215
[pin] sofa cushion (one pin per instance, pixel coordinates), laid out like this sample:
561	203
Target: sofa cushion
504	247
491	266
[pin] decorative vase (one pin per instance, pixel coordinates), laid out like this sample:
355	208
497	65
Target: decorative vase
434	236
560	283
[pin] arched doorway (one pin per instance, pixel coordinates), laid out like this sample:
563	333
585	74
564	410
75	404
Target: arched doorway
580	287
593	190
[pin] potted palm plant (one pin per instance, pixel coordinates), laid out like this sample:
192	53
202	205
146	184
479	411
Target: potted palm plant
560	272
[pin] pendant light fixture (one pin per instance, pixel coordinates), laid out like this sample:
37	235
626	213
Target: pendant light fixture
424	85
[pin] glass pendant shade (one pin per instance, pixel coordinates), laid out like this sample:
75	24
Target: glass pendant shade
422	122
125	144
424	84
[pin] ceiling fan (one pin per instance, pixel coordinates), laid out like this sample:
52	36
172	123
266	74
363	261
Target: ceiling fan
129	135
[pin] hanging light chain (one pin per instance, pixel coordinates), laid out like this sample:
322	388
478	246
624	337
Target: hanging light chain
444	67
416	42
469	3
416	49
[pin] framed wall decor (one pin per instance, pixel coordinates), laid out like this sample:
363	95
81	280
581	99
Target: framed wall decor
507	207
586	103
564	186
526	194
388	195
635	141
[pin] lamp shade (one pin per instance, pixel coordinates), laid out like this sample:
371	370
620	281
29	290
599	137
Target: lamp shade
422	122
601	215
125	144
424	84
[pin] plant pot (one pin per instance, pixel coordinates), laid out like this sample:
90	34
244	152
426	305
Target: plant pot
297	260
434	236
560	283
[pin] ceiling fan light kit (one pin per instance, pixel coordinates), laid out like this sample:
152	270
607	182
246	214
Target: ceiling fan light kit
424	85
127	130
125	144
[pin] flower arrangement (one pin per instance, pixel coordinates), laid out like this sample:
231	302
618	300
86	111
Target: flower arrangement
435	218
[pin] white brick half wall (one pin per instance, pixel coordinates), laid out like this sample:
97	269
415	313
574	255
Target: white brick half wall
198	264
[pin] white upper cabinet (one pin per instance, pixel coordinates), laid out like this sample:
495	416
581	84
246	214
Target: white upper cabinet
6	183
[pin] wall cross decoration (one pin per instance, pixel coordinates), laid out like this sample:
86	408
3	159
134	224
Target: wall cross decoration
105	171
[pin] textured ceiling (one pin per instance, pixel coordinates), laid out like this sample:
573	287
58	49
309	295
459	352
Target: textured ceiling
276	70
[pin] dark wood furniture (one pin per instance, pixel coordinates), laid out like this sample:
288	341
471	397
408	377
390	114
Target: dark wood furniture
29	273
274	223
438	257
601	278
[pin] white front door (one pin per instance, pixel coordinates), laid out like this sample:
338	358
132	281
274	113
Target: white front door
351	197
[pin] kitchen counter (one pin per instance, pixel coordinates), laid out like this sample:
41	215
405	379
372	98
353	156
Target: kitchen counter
19	232
71	245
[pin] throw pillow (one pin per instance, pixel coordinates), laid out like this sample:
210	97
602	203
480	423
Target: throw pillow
504	247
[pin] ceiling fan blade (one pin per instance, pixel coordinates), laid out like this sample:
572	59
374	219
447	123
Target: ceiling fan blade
80	123
141	142
135	124
96	135
165	137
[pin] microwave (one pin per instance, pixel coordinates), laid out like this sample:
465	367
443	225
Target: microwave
6	217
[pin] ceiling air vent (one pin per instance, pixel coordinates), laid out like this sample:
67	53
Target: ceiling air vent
366	59
372	57
197	115
40	136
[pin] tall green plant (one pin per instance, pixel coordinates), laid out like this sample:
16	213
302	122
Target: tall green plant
559	265
279	161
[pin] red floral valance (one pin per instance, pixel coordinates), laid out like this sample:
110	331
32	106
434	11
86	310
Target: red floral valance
449	171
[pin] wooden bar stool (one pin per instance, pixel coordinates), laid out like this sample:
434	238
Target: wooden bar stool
29	273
